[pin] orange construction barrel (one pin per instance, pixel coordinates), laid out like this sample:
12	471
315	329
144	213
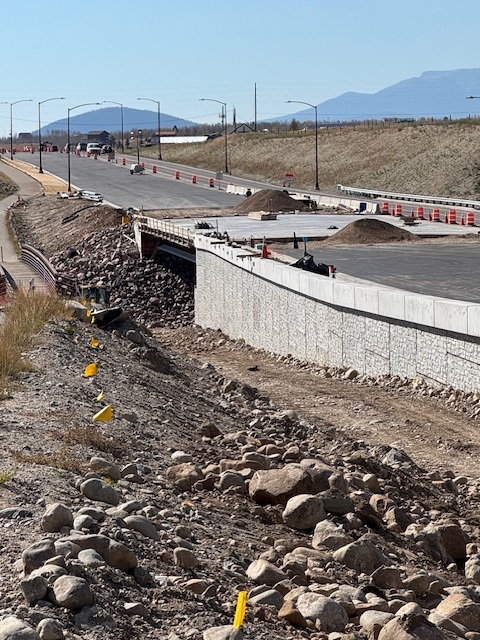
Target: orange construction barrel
420	213
211	183
436	215
385	210
194	179
398	210
124	161
470	219
154	168
452	217
177	175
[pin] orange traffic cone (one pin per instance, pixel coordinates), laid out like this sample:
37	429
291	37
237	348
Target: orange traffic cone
264	249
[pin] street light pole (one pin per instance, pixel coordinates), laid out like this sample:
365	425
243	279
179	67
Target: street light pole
224	127
85	104
40	169
317	186
157	102
121	116
11	123
139	132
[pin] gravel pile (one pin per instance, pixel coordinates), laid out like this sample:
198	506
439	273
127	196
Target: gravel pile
370	231
271	200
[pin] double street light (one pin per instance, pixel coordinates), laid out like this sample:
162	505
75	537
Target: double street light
11	123
121	116
138	134
224	118
313	106
40	169
157	102
85	104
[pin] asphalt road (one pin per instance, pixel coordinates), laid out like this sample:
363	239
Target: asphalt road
444	270
150	191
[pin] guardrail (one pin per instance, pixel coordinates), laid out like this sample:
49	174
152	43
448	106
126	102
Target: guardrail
165	230
370	193
41	265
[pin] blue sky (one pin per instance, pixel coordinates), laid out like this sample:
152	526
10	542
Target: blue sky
178	52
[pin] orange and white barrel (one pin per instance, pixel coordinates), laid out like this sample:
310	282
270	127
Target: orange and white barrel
470	219
436	215
420	213
398	210
385	209
452	217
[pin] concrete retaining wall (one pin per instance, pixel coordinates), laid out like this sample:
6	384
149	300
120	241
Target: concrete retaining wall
376	330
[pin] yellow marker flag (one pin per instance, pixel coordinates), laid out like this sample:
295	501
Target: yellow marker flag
94	343
240	610
90	370
89	311
100	396
104	415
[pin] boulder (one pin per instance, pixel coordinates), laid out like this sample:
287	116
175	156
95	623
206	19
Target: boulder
472	568
56	516
105	468
50	629
411	628
227	632
290	613
72	592
12	628
461	609
142	525
454	540
185	558
327	614
277	486
36	554
98	490
270	597
362	556
34	588
303	512
328	535
183	476
264	572
372	622
116	554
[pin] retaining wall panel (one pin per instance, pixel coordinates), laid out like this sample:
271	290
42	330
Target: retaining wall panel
391	304
432	356
403	350
377	347
451	315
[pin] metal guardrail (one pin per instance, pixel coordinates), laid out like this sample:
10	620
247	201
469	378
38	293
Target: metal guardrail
370	193
41	265
165	230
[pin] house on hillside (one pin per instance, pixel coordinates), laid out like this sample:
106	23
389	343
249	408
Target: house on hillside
102	137
25	138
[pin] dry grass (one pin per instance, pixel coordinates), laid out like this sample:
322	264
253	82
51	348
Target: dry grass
437	159
25	315
90	436
64	458
50	184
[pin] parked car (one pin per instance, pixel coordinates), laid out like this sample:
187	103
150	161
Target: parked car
82	146
94	148
107	149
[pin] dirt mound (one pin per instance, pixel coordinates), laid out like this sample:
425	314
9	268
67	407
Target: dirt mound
272	200
370	231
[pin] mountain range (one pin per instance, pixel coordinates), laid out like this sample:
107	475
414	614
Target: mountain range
109	119
434	94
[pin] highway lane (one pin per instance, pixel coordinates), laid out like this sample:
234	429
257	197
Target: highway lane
436	269
150	191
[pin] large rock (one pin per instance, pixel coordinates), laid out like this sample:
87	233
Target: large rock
12	628
429	539
372	622
327	614
411	628
105	468
56	516
329	535
72	592
472	568
114	553
303	512
183	476
454	540
277	486
34	588
290	612
461	609
50	629
264	572
36	554
98	490
143	526
362	556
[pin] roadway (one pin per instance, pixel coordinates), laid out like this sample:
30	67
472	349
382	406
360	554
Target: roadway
436	269
148	191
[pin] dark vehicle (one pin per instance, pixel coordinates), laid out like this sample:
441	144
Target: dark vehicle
106	148
81	146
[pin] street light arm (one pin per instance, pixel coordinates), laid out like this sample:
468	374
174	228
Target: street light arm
40	168
314	107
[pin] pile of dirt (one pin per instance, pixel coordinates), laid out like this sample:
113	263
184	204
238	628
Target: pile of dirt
271	200
7	187
370	231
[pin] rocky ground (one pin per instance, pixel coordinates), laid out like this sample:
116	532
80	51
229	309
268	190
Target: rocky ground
346	507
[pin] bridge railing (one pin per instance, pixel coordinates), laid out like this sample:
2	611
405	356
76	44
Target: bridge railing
40	264
165	230
371	193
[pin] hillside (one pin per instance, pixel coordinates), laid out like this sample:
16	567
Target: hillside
438	159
